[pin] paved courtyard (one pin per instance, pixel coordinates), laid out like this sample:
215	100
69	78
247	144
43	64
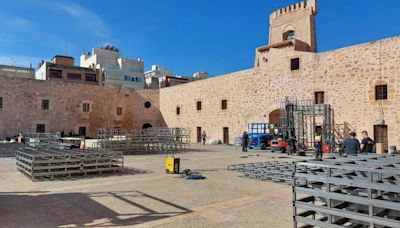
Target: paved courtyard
147	197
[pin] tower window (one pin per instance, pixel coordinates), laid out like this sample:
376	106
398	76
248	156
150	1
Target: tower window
45	104
224	104
295	64
86	107
198	105
381	92
178	110
147	104
319	97
1	102
119	111
289	35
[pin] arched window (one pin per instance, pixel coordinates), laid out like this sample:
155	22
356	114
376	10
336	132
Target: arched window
289	35
146	125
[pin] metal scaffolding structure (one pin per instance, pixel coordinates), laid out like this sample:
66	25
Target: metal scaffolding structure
300	118
267	171
360	191
45	163
43	140
146	141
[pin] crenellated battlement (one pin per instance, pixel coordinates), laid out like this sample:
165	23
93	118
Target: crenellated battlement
310	4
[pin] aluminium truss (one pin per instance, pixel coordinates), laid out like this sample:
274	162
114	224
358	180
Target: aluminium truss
43	140
146	141
301	117
360	191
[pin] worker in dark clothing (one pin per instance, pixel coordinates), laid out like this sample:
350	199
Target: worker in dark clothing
351	146
367	143
245	142
204	138
292	145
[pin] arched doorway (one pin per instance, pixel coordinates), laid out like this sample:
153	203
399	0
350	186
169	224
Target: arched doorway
275	117
146	125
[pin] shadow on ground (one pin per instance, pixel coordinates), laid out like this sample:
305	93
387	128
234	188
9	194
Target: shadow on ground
99	209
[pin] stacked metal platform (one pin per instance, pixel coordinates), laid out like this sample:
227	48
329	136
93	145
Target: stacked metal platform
361	191
276	171
43	140
146	141
46	163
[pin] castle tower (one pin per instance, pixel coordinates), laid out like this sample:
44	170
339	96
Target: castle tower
295	22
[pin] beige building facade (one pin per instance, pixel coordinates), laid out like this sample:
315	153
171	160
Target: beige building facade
56	106
361	83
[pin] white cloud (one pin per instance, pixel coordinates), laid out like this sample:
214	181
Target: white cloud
89	20
12	21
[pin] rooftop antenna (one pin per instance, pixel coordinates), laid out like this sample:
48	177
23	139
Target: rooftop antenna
66	49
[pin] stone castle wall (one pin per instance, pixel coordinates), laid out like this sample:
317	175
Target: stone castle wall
21	109
347	76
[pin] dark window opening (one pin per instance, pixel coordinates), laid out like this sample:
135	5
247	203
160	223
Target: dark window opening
86	107
289	35
82	131
198	105
40	128
178	110
119	111
74	76
147	104
381	135
146	125
295	64
90	78
45	104
224	104
55	73
381	92
319	97
1	102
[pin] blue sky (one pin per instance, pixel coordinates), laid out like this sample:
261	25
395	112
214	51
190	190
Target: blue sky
218	36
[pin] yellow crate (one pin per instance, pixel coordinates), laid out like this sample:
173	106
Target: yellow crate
172	165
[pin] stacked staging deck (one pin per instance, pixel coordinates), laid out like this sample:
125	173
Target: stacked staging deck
361	191
42	163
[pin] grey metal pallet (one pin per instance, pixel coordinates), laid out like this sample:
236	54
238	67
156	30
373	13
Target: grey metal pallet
44	163
360	191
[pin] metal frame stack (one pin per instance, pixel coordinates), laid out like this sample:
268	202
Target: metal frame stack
41	163
361	191
43	140
271	170
146	141
300	117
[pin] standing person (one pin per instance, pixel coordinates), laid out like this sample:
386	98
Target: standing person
20	138
204	138
292	145
245	141
318	145
367	143
351	146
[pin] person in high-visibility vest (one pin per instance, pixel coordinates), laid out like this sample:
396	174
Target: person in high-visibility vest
318	146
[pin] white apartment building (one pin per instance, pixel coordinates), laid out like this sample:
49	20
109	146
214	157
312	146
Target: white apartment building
116	71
